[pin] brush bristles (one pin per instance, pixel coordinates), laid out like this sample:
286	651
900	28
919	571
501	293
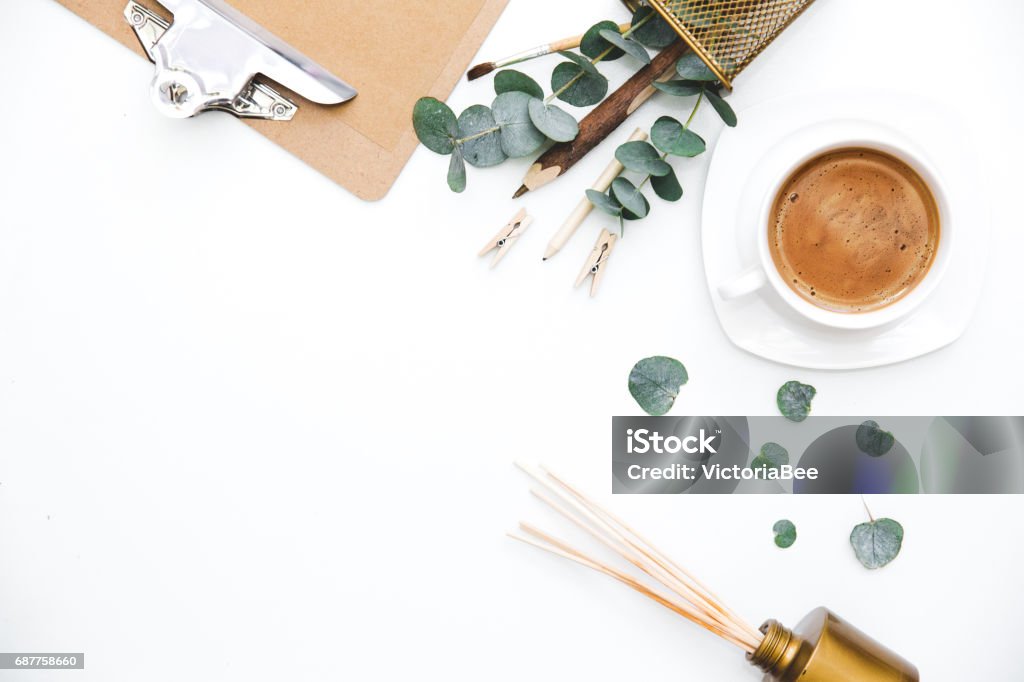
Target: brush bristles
673	587
480	70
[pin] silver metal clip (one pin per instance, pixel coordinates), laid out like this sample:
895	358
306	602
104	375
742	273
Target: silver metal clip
209	56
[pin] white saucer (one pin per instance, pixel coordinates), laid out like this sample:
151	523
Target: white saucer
742	171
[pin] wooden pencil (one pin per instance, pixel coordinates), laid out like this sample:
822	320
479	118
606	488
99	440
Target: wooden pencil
584	208
599	123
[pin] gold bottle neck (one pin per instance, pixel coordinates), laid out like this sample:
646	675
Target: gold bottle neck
777	651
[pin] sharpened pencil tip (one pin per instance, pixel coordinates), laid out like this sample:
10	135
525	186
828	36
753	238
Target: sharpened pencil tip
520	192
480	70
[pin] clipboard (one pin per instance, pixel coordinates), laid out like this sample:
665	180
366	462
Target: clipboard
392	53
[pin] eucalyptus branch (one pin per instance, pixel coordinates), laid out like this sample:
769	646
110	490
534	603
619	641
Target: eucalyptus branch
520	120
600	57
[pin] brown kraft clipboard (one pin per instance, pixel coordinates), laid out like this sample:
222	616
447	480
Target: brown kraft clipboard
392	53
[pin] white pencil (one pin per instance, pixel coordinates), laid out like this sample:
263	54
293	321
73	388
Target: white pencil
584	208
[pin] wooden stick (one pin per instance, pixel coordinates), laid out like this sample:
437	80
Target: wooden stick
584	208
559	548
686	596
606	117
707	595
642	560
657	566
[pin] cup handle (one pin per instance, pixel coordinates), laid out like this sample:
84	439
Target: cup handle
748	282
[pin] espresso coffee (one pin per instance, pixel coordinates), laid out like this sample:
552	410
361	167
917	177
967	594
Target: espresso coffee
854	230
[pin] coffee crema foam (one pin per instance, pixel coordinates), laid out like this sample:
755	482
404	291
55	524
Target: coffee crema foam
854	230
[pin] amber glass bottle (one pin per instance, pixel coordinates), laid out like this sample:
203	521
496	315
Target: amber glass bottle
825	648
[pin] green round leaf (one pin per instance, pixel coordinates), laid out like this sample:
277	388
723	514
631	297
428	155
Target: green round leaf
435	125
785	533
582	62
725	111
627	45
511	80
655	33
872	440
643	158
592	45
604	202
667	186
632	200
581	88
519	137
877	543
692	68
483	151
457	172
557	124
772	456
655	382
629	215
794	400
679	88
671	137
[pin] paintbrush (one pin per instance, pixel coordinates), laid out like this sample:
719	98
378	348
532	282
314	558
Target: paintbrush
559	45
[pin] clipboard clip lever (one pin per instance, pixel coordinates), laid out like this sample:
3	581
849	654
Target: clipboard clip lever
213	57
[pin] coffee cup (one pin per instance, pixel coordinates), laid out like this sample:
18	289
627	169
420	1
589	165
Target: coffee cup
798	153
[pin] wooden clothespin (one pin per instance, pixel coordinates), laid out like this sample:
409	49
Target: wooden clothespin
507	236
597	261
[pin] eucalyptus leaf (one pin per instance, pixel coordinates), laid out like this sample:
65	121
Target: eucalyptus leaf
511	80
794	400
593	45
672	137
655	382
877	542
772	456
577	86
485	150
582	62
604	202
435	125
725	111
872	440
629	215
519	137
655	32
457	172
692	68
627	45
785	533
554	122
679	88
667	186
632	200
643	158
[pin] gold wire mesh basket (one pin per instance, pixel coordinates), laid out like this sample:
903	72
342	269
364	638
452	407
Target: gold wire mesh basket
728	34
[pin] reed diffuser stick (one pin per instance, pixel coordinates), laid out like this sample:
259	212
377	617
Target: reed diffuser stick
673	587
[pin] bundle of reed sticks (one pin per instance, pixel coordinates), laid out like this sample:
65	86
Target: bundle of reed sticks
645	568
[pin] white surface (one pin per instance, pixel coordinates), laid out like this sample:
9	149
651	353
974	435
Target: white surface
779	135
254	429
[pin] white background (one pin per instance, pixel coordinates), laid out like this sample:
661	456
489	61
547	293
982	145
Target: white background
252	428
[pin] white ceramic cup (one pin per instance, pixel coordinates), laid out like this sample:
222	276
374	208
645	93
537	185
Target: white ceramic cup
788	157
